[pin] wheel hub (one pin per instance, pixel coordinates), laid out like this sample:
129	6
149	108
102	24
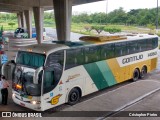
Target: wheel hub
73	96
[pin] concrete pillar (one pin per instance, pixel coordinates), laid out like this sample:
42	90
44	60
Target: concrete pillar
19	20
23	22
28	18
63	12
38	17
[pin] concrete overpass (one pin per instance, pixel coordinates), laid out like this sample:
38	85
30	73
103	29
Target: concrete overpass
62	12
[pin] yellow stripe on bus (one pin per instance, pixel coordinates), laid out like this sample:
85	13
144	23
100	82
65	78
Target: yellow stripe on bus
124	73
116	69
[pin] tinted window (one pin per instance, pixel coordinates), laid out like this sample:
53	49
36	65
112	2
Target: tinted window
154	43
92	54
55	59
120	49
107	51
142	45
74	57
21	30
149	44
132	47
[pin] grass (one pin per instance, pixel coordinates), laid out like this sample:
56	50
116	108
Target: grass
7	27
79	28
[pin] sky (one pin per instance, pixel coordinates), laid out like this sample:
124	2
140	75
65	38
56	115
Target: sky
114	4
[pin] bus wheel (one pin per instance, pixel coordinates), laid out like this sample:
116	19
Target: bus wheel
143	72
73	96
136	75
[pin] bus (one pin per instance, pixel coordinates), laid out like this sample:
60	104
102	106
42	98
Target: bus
51	74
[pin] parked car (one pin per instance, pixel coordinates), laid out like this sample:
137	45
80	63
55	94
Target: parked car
22	33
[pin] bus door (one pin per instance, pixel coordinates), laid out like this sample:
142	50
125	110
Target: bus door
53	87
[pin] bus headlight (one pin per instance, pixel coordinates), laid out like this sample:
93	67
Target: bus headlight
35	102
13	95
19	87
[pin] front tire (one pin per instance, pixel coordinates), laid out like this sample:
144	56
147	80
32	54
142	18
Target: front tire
136	75
73	96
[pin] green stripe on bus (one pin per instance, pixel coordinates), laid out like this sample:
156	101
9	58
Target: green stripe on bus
96	75
106	72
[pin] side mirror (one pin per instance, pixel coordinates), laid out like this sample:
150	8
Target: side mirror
13	62
36	74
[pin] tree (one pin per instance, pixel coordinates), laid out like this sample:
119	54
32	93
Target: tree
98	29
117	16
88	28
131	20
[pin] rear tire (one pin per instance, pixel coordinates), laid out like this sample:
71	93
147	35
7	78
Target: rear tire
73	96
143	72
136	75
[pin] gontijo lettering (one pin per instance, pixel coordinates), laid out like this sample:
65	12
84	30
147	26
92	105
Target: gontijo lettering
132	59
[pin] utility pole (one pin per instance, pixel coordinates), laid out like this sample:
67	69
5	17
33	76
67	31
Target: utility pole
106	6
157	18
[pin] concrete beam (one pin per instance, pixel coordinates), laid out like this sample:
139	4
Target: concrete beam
23	21
19	20
63	12
79	2
28	18
13	7
33	3
38	17
39	3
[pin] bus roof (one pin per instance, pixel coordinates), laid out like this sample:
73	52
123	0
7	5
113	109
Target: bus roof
47	48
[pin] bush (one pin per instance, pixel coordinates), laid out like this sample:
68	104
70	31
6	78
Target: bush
151	26
48	21
112	30
11	24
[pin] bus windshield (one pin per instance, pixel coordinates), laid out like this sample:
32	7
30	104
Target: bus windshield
30	59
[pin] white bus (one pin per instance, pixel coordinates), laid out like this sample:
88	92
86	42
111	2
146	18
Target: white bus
48	75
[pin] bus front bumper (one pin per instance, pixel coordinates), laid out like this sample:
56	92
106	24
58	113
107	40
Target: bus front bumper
34	105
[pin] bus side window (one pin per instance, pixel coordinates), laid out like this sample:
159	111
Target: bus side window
120	49
55	59
154	43
107	51
53	70
92	54
74	57
142	45
149	44
131	47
